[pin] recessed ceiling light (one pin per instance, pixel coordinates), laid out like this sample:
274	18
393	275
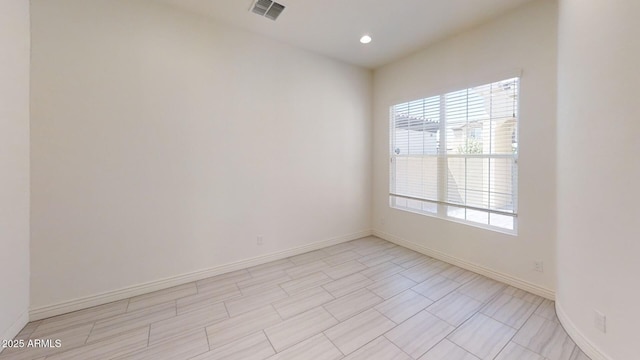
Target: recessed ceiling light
365	39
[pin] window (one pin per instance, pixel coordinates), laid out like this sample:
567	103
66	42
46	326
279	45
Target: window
455	156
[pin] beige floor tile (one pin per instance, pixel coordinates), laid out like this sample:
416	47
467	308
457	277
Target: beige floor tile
353	303
242	325
184	347
316	348
391	286
514	351
547	310
216	292
482	336
365	249
411	259
524	295
302	302
509	310
382	270
375	258
293	287
403	306
253	301
357	331
446	350
579	355
341	257
422	272
299	328
70	338
162	296
164	330
482	288
57	323
339	248
441	264
253	347
207	299
423	259
546	338
370	241
344	269
309	257
405	257
458	274
131	320
277	266
373	250
455	308
379	349
262	283
346	285
436	287
224	279
299	271
419	334
123	343
28	329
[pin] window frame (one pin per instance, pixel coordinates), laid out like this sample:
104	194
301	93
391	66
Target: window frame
443	207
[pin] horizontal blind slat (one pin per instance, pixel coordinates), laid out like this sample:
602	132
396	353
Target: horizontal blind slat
457	205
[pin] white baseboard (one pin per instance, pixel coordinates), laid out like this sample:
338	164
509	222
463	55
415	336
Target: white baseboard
583	343
502	277
135	290
15	328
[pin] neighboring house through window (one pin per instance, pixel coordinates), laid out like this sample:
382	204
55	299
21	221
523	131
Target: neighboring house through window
455	155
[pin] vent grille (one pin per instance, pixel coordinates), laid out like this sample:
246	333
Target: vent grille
274	11
267	8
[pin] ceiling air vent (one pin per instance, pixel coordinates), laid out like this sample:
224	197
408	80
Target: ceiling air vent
267	8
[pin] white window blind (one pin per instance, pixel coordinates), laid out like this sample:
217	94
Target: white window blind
456	155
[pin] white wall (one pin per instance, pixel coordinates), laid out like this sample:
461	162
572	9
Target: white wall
164	143
598	174
524	39
14	166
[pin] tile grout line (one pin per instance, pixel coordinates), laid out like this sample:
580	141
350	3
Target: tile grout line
224	303
456	328
374	339
502	322
399	348
575	346
149	336
270	343
332	343
518	330
297	343
434	301
90	331
424	309
333	316
206	334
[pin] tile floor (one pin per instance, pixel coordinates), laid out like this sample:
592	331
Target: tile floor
364	299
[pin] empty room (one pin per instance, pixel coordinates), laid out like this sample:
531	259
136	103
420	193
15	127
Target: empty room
319	180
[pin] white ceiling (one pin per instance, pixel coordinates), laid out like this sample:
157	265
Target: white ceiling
334	27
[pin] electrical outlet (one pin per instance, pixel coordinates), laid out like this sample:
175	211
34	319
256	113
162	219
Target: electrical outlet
381	221
600	321
260	240
538	266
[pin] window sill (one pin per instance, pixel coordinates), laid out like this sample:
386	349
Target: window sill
503	230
